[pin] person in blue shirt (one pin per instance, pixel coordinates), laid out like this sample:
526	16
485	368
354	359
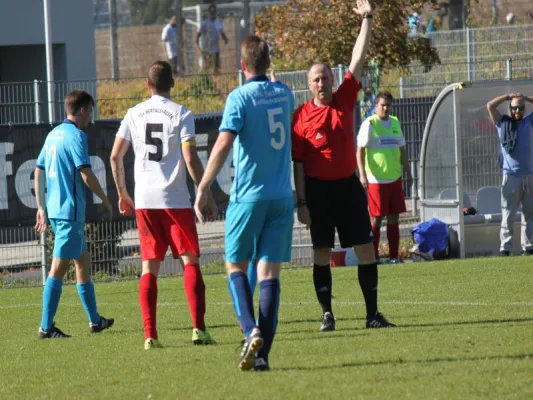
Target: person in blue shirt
435	22
260	214
367	104
64	167
516	159
415	24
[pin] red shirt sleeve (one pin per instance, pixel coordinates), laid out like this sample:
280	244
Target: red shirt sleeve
297	138
348	90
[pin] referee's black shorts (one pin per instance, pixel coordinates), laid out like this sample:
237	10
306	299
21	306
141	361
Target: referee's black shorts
340	204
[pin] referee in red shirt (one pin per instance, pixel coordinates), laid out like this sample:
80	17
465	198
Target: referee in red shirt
329	195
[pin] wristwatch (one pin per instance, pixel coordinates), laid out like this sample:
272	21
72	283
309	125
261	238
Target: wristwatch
367	15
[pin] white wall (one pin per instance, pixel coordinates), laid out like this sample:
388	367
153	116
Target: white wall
22	24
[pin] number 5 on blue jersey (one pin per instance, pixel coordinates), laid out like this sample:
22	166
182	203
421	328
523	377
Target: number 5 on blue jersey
259	114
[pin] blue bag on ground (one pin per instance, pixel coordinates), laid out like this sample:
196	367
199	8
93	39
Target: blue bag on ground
431	236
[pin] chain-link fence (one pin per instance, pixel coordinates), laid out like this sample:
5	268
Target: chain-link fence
497	12
114	245
26	102
101	13
417	82
139	43
115	252
19	102
20	257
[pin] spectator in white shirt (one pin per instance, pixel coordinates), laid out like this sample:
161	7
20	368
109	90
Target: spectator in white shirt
169	36
207	40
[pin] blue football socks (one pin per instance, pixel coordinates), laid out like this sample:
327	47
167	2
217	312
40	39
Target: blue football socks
243	305
269	291
88	299
252	276
51	295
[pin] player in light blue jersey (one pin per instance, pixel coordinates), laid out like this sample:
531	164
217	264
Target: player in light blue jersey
259	219
64	166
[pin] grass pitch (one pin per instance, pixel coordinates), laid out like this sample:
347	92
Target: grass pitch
465	331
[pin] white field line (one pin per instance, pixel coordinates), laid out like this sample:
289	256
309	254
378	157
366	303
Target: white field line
338	303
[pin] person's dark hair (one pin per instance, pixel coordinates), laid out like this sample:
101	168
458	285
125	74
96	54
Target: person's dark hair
160	76
255	54
520	103
212	7
76	100
384	96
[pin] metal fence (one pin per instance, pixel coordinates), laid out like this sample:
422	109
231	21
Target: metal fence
20	102
101	13
114	245
139	45
495	12
115	252
26	102
20	257
483	54
474	44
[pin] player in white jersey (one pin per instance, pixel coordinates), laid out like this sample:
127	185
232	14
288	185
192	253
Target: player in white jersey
161	133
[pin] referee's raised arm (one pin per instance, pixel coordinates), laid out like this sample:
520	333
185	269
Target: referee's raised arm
363	39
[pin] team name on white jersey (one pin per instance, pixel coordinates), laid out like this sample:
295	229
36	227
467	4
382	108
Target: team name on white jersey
156	129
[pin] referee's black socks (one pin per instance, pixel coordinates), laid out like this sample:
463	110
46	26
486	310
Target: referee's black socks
368	280
322	281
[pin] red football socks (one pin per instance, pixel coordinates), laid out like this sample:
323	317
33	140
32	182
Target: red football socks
193	283
376	230
148	301
393	236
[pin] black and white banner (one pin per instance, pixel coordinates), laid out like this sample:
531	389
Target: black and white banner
20	146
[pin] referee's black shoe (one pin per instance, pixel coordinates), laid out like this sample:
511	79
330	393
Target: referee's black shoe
378	321
261	364
328	322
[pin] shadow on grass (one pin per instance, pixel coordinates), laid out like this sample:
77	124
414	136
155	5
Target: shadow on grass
402	361
480	322
358	329
281	322
329	334
237	345
317	320
210	327
321	335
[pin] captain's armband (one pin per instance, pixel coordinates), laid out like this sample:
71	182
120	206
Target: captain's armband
190	142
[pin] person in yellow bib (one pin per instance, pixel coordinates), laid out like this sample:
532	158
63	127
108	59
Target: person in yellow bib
381	157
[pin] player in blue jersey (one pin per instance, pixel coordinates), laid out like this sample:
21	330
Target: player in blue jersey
259	218
64	166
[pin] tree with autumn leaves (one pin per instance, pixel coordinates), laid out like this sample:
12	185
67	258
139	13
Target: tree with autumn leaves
304	31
